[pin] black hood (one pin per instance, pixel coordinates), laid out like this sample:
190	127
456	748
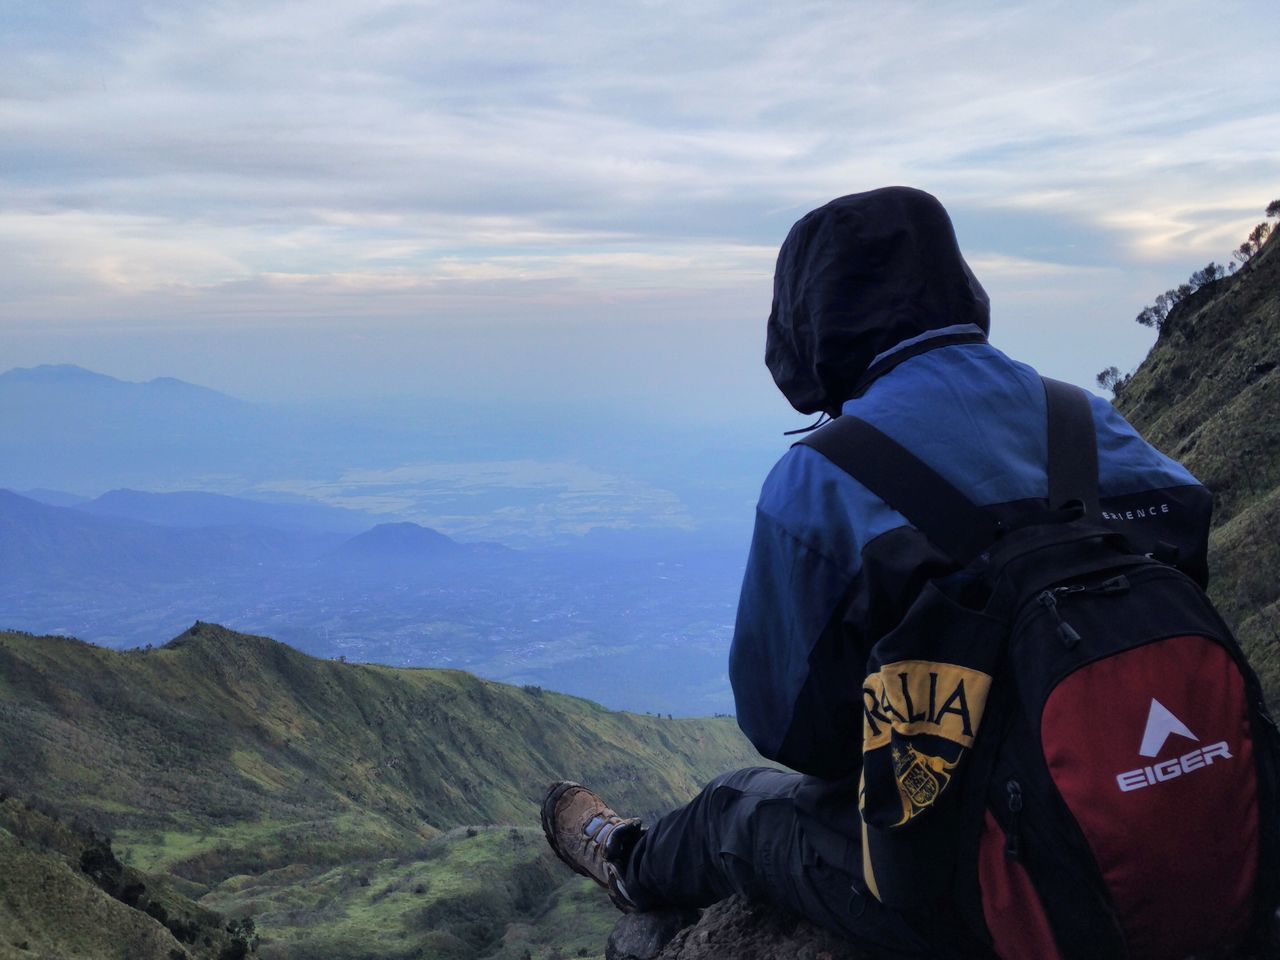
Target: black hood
859	276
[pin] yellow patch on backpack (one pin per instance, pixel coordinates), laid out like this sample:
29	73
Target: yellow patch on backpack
913	697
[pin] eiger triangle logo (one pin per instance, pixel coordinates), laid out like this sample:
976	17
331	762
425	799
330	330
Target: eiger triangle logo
1160	724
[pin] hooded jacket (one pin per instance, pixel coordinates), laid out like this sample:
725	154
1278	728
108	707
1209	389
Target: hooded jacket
855	279
876	313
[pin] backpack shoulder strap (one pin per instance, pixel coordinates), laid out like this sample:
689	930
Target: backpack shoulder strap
934	506
908	484
1073	448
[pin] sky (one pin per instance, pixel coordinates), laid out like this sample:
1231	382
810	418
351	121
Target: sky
578	205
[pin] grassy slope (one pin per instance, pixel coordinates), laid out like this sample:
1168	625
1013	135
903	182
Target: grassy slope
491	891
123	914
35	888
313	794
1209	395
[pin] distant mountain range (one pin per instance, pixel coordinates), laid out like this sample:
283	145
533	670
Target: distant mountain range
65	428
55	498
158	537
68	375
391	549
68	428
46	546
129	568
503	472
197	509
399	540
240	512
64	373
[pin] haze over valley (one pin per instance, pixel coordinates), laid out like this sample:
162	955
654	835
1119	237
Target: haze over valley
134	510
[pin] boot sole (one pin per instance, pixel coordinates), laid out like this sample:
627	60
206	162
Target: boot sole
549	805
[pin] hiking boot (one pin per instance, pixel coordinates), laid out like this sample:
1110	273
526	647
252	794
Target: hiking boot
589	837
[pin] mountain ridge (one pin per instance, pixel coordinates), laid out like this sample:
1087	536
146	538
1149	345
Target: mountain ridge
64	373
399	540
198	508
259	780
649	632
356	715
1208	395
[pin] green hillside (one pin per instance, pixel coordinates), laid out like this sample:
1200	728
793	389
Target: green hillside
64	894
1209	395
332	801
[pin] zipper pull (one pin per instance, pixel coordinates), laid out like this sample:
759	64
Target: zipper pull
1066	633
1115	585
1012	835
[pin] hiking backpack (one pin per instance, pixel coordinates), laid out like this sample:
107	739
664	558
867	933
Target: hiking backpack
1065	751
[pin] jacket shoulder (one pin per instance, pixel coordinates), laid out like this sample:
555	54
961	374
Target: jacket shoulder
1126	462
824	508
979	418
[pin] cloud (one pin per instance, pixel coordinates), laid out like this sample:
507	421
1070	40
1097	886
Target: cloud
583	114
1003	266
228	161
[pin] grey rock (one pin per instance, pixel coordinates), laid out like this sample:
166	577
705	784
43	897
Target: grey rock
641	936
736	929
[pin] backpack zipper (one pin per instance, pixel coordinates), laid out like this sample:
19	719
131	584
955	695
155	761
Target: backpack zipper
1012	832
1049	600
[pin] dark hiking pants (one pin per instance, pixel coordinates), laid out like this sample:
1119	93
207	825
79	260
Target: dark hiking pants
744	835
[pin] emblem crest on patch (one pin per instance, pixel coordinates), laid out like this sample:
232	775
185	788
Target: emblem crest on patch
921	780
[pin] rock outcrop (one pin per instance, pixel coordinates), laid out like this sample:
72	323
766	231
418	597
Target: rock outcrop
733	929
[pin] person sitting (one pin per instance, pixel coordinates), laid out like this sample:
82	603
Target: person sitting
875	314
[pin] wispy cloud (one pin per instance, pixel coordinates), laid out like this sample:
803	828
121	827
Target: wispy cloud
230	159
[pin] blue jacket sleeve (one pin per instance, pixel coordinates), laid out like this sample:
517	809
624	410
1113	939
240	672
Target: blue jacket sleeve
798	655
789	607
